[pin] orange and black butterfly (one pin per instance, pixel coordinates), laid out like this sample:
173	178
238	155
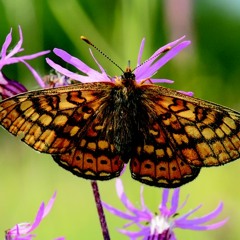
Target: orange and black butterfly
93	129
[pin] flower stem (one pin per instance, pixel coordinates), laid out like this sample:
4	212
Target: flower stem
100	210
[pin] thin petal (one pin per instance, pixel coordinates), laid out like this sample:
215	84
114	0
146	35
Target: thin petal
17	48
156	80
145	214
163	60
175	199
139	60
187	93
6	44
165	195
35	74
99	65
141	72
117	212
66	72
13	60
205	218
81	66
49	205
37	219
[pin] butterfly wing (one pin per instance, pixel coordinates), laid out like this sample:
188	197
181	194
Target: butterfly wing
94	156
65	122
50	120
185	134
157	163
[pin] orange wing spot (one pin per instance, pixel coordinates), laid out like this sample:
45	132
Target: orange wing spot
226	129
16	125
180	138
33	134
92	146
25	105
193	132
89	163
64	103
208	133
187	114
211	161
148	149
219	133
147	168
25	127
160	153
73	131
204	150
102	144
191	156
45	119
230	122
60	120
34	117
162	170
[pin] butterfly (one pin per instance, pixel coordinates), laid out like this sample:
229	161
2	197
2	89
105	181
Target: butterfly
93	129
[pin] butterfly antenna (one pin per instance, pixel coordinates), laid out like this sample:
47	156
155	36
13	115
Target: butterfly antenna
154	56
91	44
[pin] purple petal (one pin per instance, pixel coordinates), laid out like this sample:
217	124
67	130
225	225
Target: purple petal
156	80
151	70
6	44
49	205
139	60
117	212
37	219
81	66
174	203
9	87
145	231
144	214
194	224
99	65
187	93
142	71
165	195
17	48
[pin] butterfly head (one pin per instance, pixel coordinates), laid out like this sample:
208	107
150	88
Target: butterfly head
128	77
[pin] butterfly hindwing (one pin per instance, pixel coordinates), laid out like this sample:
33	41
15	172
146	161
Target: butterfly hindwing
157	163
94	156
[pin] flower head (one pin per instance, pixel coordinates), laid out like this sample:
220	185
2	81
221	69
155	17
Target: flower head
161	226
9	87
143	70
23	231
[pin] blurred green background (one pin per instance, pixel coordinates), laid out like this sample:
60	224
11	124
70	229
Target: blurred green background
209	67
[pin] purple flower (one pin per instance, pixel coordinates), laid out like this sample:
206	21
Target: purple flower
9	87
160	226
142	71
23	231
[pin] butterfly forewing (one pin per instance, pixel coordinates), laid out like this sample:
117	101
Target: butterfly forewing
204	134
51	120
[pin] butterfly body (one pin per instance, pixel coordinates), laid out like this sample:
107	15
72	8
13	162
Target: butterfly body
93	129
